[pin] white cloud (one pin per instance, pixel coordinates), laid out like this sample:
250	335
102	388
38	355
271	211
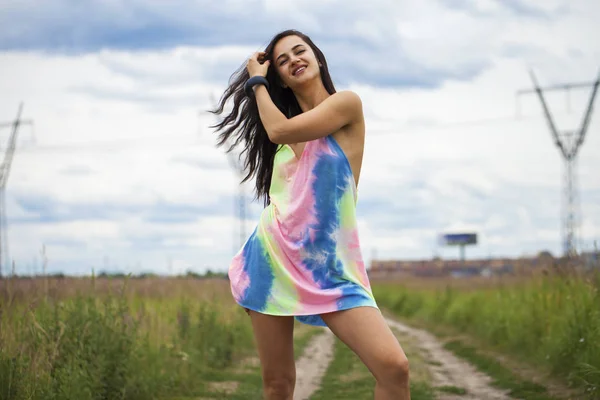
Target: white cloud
125	131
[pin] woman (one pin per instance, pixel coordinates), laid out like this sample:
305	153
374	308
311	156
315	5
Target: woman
304	145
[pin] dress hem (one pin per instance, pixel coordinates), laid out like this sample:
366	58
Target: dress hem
318	321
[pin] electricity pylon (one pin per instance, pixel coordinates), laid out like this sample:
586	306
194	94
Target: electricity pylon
240	203
569	144
4	173
236	165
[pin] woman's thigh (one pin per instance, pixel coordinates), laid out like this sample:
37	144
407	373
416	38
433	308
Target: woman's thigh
364	330
274	337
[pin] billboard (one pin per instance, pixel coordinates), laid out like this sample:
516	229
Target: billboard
458	239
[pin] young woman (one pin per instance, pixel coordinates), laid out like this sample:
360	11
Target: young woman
303	143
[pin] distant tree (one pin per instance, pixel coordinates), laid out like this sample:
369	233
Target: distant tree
192	274
210	274
111	275
143	275
545	254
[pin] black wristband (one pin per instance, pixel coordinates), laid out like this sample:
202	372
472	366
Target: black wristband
254	81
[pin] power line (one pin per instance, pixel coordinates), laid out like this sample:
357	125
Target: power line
412	128
9	124
153	142
109	146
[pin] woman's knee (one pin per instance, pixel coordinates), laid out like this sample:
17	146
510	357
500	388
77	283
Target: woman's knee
393	368
279	385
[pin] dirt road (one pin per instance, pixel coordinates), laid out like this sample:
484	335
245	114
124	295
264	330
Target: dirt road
447	369
311	367
450	370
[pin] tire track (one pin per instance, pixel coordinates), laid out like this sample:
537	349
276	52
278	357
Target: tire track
452	371
313	363
447	369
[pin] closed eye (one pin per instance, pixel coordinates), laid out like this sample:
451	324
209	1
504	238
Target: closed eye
300	51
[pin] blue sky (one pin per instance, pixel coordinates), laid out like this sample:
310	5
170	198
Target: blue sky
121	164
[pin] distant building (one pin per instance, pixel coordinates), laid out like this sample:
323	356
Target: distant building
438	267
591	260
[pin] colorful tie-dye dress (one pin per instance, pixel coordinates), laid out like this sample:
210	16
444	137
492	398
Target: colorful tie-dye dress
304	258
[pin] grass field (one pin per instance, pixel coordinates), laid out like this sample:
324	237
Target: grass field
551	322
183	338
117	339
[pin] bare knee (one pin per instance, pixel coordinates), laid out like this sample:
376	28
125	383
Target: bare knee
393	370
280	385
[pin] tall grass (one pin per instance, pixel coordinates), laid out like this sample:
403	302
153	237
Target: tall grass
551	321
116	340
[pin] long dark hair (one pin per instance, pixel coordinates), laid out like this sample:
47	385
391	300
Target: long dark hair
243	124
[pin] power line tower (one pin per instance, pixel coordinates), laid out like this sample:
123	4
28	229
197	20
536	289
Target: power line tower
569	144
236	165
4	173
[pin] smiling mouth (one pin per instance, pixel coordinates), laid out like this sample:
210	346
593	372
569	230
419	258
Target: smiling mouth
299	70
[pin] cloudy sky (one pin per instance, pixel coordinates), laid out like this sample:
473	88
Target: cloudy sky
120	170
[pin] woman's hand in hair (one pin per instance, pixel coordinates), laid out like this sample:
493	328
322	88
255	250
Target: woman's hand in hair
257	65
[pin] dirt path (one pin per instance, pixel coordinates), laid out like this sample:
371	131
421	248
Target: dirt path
447	369
313	363
451	370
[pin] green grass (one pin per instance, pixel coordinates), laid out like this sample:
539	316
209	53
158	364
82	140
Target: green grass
452	390
169	339
127	339
501	377
92	348
552	323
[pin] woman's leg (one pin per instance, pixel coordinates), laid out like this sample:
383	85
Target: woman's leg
275	344
365	332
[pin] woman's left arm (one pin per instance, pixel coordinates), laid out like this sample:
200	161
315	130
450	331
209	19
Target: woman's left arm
338	110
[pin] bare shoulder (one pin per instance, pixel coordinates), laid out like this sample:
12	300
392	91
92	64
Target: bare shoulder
349	96
347	99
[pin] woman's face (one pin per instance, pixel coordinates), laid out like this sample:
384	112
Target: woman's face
295	61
